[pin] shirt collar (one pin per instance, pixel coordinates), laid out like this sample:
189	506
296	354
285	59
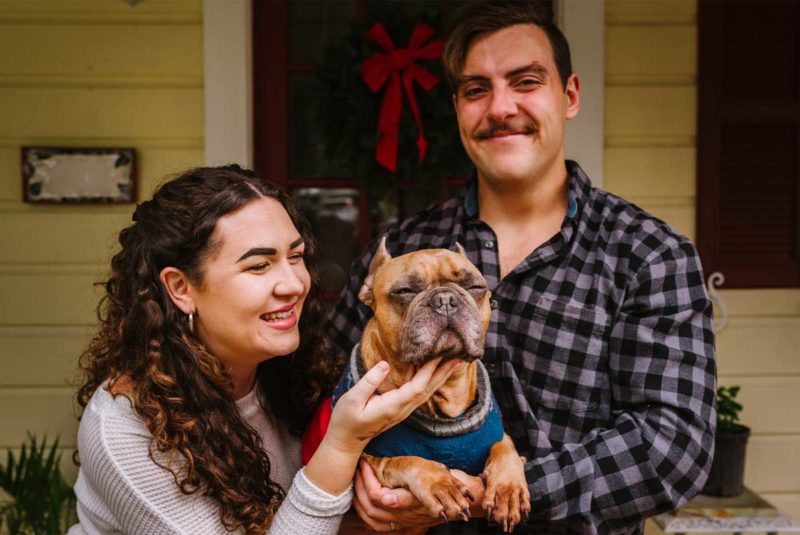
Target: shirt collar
577	192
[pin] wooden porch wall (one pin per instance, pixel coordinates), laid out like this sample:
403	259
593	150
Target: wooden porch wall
80	73
651	76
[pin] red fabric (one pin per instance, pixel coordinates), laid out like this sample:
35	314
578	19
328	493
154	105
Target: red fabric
398	63
316	430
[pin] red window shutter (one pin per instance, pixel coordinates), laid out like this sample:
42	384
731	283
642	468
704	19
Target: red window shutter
749	142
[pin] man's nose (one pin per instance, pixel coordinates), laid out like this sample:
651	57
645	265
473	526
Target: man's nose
444	302
503	103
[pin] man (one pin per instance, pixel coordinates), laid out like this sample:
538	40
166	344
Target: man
600	349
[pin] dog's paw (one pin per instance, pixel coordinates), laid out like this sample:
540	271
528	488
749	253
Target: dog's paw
441	494
506	498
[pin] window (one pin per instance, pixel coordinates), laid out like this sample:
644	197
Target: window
289	40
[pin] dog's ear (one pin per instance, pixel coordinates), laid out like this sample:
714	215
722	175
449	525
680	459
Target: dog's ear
381	256
460	249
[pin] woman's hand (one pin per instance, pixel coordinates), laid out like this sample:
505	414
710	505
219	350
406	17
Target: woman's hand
360	414
384	509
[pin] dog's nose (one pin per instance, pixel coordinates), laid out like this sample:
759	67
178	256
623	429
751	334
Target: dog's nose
444	302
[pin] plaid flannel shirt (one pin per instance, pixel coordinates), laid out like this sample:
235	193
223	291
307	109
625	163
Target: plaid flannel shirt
600	352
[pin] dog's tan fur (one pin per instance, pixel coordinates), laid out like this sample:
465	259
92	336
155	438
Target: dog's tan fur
506	497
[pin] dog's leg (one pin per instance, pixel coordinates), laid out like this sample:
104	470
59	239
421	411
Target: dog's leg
506	499
430	482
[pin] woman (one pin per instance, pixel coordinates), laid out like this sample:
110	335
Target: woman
208	364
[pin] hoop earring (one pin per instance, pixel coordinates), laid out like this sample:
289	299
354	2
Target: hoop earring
191	322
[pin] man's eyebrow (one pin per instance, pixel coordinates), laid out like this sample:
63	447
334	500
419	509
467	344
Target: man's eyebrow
296	242
533	68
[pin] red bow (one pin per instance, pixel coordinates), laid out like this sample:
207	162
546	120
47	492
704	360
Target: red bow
397	62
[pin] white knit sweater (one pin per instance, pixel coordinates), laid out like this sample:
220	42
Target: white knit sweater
121	490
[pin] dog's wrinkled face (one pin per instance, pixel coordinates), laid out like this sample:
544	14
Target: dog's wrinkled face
427	304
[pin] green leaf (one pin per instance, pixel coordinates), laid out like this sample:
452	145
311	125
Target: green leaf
43	502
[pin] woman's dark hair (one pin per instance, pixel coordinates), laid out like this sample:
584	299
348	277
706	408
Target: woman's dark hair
473	19
183	393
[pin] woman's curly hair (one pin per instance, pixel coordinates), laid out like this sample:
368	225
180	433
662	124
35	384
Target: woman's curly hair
183	393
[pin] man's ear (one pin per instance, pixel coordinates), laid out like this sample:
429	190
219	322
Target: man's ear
178	287
573	94
381	256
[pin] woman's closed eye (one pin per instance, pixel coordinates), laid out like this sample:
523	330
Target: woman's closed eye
258	268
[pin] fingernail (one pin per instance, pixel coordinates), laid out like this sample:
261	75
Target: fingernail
383	366
390	500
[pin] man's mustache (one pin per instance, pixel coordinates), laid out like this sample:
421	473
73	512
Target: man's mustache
506	128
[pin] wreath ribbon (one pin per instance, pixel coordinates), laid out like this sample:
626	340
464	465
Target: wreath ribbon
397	66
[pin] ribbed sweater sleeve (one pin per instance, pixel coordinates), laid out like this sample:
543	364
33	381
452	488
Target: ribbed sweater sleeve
120	489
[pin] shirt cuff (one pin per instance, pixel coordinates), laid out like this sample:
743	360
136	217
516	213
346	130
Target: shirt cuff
313	501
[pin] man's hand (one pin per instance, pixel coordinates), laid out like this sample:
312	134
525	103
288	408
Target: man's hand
384	509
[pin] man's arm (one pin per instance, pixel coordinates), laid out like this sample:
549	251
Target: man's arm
662	372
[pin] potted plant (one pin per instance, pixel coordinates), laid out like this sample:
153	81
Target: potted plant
37	499
726	477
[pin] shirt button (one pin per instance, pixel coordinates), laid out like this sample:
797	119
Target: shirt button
494	304
491	367
489	244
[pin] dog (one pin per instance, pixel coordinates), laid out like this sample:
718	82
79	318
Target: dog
427	304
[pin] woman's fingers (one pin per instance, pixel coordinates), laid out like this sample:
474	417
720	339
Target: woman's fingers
381	496
365	388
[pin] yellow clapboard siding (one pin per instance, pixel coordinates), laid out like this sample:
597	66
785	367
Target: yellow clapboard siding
770	342
650	12
49	298
55	350
50	411
157	165
154	164
645	112
762	302
765	466
655	54
149	50
166	12
61	235
770	403
79	112
650	171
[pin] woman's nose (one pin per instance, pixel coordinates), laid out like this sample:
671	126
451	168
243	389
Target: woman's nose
291	281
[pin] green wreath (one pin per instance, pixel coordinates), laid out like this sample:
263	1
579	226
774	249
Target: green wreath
348	111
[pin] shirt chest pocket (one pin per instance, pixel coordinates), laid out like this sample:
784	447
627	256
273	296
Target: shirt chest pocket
559	352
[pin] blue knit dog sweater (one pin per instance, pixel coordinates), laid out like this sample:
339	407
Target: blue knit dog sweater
462	442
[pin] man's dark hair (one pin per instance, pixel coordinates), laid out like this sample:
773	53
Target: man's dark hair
474	19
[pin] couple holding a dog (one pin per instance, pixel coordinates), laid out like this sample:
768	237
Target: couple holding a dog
579	317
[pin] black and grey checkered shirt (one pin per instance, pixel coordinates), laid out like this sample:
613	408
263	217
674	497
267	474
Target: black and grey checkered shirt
601	354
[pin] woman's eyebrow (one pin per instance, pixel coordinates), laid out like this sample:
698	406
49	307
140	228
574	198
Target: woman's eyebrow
258	251
268	251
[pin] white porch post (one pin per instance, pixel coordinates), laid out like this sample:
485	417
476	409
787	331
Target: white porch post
583	23
227	55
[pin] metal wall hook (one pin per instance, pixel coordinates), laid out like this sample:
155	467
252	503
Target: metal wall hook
715	280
